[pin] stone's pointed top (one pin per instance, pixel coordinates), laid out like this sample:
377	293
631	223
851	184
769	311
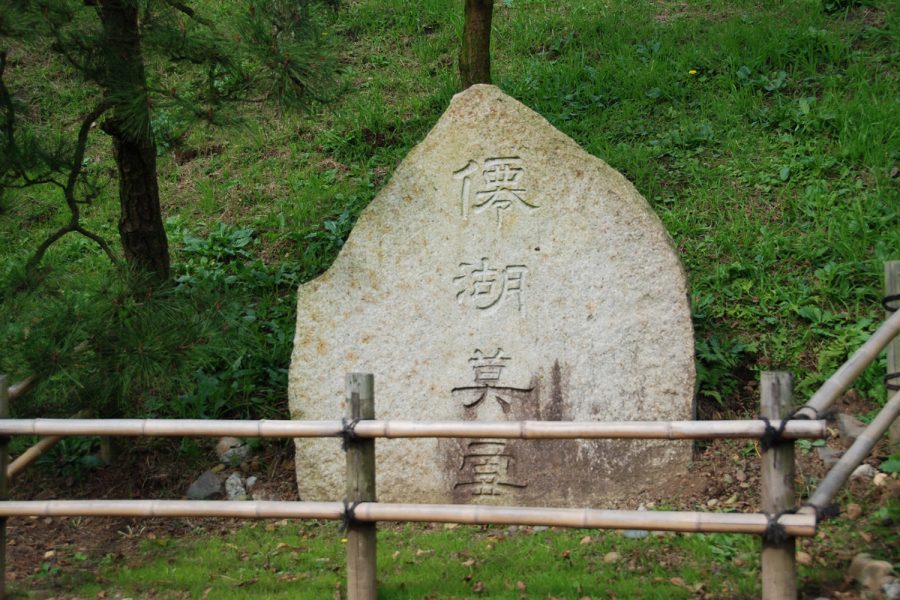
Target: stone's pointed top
502	274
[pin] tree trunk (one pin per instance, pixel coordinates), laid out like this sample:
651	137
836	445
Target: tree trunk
475	53
140	223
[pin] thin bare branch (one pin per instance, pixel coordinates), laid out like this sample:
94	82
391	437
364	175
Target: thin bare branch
38	256
104	245
187	10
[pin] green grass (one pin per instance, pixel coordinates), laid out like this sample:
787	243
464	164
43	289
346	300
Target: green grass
431	561
307	560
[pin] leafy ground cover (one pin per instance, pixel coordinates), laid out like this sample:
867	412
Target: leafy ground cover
765	135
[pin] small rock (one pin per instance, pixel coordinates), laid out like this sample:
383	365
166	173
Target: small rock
611	557
891	589
234	487
512	529
250	482
804	558
854	511
232	451
880	480
49	554
727	478
538	528
864	471
711	502
871	574
740	476
207	486
829	456
586	540
635	534
850	428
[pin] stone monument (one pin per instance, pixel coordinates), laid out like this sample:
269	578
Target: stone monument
502	274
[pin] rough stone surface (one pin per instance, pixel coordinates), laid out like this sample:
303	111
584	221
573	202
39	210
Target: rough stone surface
205	487
502	274
865	472
234	487
850	428
829	456
869	573
891	588
232	451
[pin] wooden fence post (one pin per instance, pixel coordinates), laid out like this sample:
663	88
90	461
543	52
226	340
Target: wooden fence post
361	556
779	570
4	480
892	288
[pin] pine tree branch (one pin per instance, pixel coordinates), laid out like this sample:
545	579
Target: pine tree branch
78	156
75	171
100	242
38	256
187	10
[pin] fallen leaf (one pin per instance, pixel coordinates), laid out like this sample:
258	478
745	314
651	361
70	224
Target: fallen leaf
478	587
586	540
468	563
520	585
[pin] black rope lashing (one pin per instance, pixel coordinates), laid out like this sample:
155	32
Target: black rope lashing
889	378
775	532
886	302
828	415
823	513
348	432
772	435
348	518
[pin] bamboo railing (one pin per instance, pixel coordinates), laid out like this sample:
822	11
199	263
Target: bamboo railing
372	512
534	430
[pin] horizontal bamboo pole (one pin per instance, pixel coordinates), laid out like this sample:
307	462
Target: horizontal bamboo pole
698	522
20	389
853	457
832	389
414	429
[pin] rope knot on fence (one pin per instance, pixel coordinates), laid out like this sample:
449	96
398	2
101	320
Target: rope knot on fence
775	532
348	517
348	432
